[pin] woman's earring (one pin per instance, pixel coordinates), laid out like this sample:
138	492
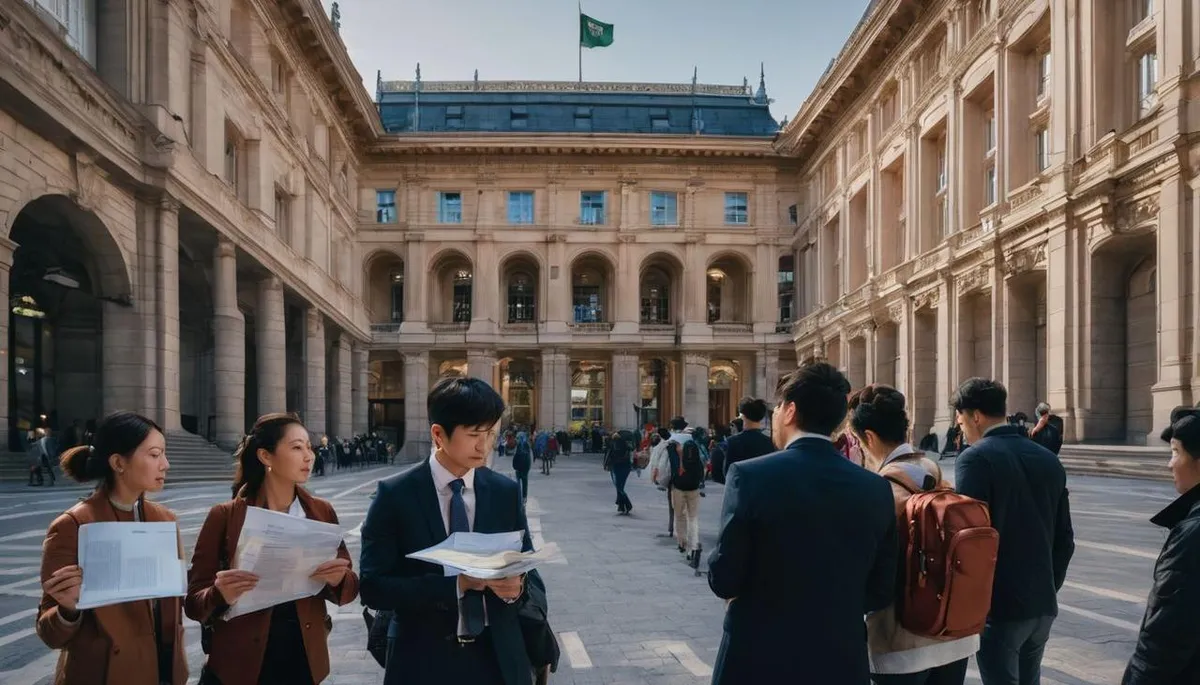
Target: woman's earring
268	468
120	472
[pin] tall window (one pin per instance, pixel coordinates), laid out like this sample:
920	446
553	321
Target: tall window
664	209
787	288
588	382
942	177
941	194
1043	75
283	215
1147	82
461	305
716	281
449	208
737	208
385	206
396	281
78	21
233	156
989	184
521	298
989	160
520	207
656	298
1042	148
591	207
1142	10
587	297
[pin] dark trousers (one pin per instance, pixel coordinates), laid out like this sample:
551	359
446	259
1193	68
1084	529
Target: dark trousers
1010	652
950	674
670	512
523	479
446	661
620	474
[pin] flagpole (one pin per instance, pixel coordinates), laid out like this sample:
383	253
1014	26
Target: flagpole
580	20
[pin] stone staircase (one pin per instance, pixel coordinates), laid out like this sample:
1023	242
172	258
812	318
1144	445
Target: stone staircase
1118	461
193	460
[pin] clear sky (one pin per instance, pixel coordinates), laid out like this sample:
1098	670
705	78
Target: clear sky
654	41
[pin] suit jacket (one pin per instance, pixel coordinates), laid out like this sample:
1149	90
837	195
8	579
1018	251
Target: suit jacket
406	517
807	547
238	645
112	644
1025	486
746	445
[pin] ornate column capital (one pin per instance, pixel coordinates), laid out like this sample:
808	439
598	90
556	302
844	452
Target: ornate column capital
225	248
415	357
168	204
697	358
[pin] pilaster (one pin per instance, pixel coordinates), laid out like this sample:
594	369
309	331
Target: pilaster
229	342
359	389
766	374
485	288
1174	249
947	346
342	424
695	388
314	372
7	248
625	391
415	283
416	415
167	318
554	391
271	347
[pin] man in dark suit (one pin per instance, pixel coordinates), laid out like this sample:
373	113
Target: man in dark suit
1025	487
751	441
448	629
807	547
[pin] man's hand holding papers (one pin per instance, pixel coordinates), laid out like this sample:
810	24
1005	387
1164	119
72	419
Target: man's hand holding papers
487	556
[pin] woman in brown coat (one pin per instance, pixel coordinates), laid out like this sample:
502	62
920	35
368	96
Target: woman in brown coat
285	644
134	643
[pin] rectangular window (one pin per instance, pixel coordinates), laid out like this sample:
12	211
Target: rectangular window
283	220
520	207
454	117
943	216
1042	149
664	209
1142	10
793	217
989	186
942	180
659	121
1043	75
232	154
385	206
1147	82
583	118
989	133
449	208
591	207
737	208
279	79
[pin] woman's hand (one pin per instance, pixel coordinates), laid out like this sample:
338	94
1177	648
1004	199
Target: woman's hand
63	586
332	572
234	583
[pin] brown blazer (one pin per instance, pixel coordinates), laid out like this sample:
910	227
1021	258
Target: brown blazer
238	645
112	644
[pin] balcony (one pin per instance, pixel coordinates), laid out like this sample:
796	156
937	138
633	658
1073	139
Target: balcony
592	328
385	327
730	328
519	327
451	327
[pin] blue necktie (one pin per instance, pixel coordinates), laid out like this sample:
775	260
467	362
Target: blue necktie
472	600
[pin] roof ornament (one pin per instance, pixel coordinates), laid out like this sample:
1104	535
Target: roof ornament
476	79
418	72
695	78
746	85
335	16
761	96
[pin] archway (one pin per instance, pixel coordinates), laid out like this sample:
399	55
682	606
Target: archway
656	378
67	274
724	384
659	295
518	387
385	288
727	297
452	289
519	281
591	289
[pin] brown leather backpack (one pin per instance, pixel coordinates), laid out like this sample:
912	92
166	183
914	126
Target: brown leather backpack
949	561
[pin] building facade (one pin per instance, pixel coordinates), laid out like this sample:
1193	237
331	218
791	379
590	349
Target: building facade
1024	176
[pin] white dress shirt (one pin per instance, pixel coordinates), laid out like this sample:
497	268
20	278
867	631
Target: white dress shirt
441	483
802	435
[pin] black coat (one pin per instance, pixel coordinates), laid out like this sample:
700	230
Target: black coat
1025	487
807	546
745	445
1168	646
405	517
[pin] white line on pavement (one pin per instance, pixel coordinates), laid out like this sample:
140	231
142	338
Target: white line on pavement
1118	549
31	672
1100	618
1111	513
24	535
27	514
16	571
576	652
688	659
355	489
355	532
13	637
1105	592
20	560
13	618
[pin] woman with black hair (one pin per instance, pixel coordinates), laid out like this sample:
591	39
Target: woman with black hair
285	644
878	419
132	643
1168	646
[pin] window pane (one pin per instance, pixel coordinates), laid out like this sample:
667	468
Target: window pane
663	209
385	206
737	208
450	208
520	207
591	207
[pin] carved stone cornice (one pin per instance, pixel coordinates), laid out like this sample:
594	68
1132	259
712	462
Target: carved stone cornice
927	299
556	237
895	312
1024	260
1140	212
696	359
627	238
973	280
414	237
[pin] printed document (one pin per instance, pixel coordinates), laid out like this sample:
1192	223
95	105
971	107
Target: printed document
487	556
283	551
127	562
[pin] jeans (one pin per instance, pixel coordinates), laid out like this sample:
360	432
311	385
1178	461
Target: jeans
1010	652
523	479
954	673
620	474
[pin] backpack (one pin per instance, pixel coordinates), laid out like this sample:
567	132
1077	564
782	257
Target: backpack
948	561
522	460
691	468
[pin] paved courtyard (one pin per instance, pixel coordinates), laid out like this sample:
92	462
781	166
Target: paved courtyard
624	604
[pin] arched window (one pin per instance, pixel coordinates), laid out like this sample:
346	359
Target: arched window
462	296
787	288
396	283
587	296
656	298
521	298
716	283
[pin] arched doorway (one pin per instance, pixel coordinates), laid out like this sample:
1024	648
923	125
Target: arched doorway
385	288
591	289
727	295
724	384
518	387
657	391
66	267
659	298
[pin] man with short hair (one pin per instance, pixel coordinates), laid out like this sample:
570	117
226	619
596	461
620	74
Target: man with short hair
751	442
1025	487
448	629
687	475
1047	432
807	546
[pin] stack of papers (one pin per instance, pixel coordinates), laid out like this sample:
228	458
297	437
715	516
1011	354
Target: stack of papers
129	562
487	556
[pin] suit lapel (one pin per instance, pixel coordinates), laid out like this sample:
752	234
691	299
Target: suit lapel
484	521
427	499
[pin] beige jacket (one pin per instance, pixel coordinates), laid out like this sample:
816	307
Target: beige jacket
893	649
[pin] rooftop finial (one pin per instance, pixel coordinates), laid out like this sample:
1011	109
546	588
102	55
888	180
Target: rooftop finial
476	79
761	96
746	84
335	16
695	77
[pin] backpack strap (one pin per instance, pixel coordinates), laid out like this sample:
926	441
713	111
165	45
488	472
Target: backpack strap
902	483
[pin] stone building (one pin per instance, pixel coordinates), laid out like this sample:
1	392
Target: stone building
1024	176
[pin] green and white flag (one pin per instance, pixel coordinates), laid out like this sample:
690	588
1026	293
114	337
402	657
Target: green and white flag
594	34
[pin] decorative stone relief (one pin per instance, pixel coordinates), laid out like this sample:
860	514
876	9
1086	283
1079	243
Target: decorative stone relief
627	238
1138	213
694	358
928	299
414	237
975	279
1025	260
90	183
895	312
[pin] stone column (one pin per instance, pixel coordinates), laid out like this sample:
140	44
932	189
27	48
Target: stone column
415	284
7	247
947	354
695	388
554	392
1174	370
416	416
167	314
625	391
556	282
625	288
314	372
766	375
485	289
342	424
482	364
229	342
359	389
271	346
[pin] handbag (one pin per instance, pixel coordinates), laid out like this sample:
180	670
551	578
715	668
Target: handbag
377	634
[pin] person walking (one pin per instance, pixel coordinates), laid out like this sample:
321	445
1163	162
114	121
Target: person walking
618	461
522	463
686	467
898	656
1025	487
750	442
807	546
286	643
131	643
1168	644
1047	432
660	474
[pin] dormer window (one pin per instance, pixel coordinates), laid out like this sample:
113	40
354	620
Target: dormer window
659	121
519	117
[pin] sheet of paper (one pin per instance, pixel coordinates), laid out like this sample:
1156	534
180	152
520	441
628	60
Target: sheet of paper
283	551
126	562
486	555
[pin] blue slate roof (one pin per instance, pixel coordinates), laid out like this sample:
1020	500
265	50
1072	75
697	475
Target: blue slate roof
571	107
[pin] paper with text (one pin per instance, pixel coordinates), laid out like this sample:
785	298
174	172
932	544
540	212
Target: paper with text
486	556
128	562
283	551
